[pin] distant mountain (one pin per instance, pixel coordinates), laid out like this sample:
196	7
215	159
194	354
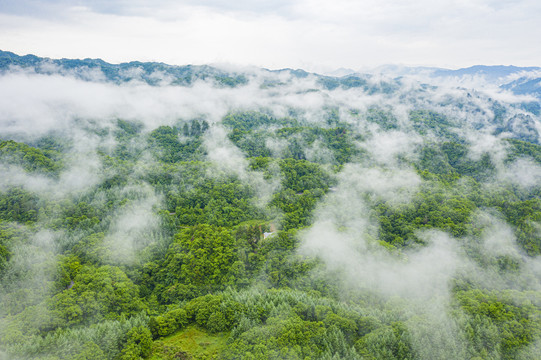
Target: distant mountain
525	86
527	80
519	80
341	72
490	72
401	70
154	73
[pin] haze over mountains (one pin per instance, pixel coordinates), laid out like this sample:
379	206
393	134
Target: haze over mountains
196	212
519	80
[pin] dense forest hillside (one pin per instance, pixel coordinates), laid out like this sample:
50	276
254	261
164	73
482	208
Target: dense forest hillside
150	211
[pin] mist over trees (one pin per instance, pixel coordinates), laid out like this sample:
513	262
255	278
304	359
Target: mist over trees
149	211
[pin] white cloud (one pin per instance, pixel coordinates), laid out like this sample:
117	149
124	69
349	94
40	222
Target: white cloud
312	34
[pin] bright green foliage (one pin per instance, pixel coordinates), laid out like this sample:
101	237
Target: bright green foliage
388	342
434	207
190	342
303	183
168	147
91	249
4	257
97	293
206	254
291	338
139	344
297	207
30	158
89	351
201	257
501	322
168	323
212	267
525	215
67	268
215	313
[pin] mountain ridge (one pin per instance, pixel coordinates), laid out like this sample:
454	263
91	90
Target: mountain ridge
492	70
526	81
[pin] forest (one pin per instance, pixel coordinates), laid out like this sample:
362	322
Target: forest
266	215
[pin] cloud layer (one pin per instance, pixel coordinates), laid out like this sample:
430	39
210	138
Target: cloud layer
312	34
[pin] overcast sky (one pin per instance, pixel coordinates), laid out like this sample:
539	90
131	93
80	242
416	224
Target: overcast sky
317	35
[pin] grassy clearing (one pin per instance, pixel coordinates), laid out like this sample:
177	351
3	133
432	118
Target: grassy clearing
190	343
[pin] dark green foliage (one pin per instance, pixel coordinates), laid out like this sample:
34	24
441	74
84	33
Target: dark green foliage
80	215
525	215
434	207
54	143
127	134
297	207
524	149
355	81
127	129
30	158
434	124
303	175
337	139
252	120
19	205
331	83
254	133
4	257
252	143
10	235
451	158
232	81
522	127
219	202
457	155
168	147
